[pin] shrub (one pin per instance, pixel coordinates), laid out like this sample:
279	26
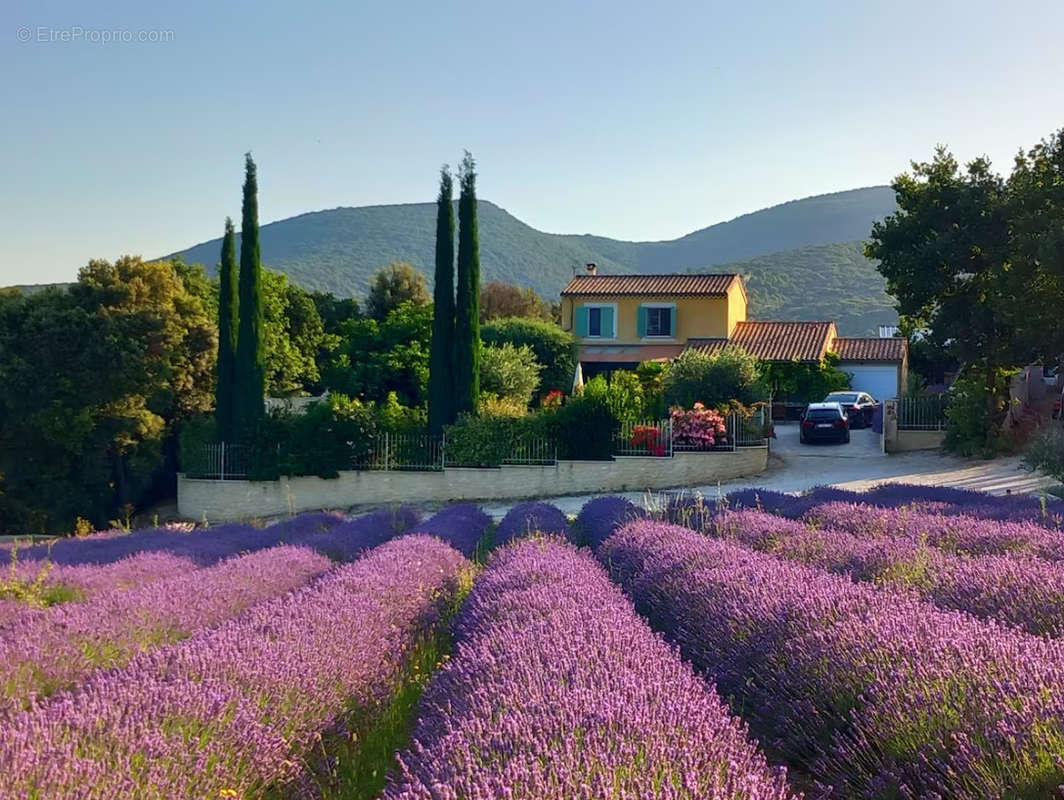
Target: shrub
583	428
485	440
622	393
651	375
1047	454
649	438
731	374
509	372
697	429
974	420
554	348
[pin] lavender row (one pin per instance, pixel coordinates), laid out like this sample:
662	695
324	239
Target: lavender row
42	654
462	526
239	710
558	690
874	694
202	545
526	518
1017	590
955	533
600	517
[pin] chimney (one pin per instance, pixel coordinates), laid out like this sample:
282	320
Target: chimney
592	269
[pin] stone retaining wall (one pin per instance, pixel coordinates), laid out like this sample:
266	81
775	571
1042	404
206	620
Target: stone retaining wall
215	500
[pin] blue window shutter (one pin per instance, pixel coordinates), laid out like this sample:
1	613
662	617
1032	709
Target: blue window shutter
581	321
607	323
642	321
672	322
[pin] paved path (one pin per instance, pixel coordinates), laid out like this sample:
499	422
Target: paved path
858	465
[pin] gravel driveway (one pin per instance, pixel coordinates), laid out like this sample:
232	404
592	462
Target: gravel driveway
858	465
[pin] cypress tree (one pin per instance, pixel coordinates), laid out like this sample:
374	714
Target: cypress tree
250	345
225	391
441	356
467	311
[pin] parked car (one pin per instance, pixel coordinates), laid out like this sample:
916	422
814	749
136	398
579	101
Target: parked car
860	407
824	422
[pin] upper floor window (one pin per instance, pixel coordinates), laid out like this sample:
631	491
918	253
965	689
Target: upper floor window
596	321
659	321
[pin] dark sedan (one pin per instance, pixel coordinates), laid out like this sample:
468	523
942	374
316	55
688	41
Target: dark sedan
859	407
824	422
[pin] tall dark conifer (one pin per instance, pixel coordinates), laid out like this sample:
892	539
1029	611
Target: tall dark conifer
441	356
225	389
467	307
250	345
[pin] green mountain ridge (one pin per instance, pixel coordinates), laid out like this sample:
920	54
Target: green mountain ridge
802	259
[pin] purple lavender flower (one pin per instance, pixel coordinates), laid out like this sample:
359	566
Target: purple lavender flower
239	709
526	518
461	525
872	693
42	654
558	690
599	518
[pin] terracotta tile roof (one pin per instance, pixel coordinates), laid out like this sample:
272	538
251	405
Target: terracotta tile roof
776	341
673	285
869	349
630	353
707	346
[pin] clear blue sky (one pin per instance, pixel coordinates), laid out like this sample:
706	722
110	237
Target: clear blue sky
633	120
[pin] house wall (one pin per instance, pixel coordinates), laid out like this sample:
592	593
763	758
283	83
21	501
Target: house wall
696	317
215	500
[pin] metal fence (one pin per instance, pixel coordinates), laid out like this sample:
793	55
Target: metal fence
922	413
412	452
658	437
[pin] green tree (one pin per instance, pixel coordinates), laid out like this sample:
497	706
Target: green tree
804	382
508	372
714	380
441	358
72	444
225	394
555	349
499	300
250	346
394	285
374	358
467	306
945	255
294	337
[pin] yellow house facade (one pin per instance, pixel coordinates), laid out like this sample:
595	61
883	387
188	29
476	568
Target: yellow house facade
625	319
620	321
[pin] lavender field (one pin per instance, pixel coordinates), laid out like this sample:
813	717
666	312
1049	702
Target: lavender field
902	643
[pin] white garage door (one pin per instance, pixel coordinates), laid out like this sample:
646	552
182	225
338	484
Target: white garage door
879	380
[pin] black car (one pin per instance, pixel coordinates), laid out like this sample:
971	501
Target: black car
824	422
860	407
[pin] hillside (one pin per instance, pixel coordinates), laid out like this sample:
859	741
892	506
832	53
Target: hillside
339	249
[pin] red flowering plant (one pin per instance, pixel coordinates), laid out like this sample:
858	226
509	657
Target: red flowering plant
552	399
699	428
648	437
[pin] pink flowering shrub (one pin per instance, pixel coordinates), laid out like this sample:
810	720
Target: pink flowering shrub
697	428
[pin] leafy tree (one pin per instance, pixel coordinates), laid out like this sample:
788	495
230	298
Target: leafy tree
441	358
294	337
804	382
622	394
334	311
1036	224
554	348
714	380
467	303
251	345
500	300
651	375
509	372
225	395
394	285
73	444
945	256
374	358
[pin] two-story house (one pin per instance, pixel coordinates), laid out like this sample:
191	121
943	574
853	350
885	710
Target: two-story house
622	320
